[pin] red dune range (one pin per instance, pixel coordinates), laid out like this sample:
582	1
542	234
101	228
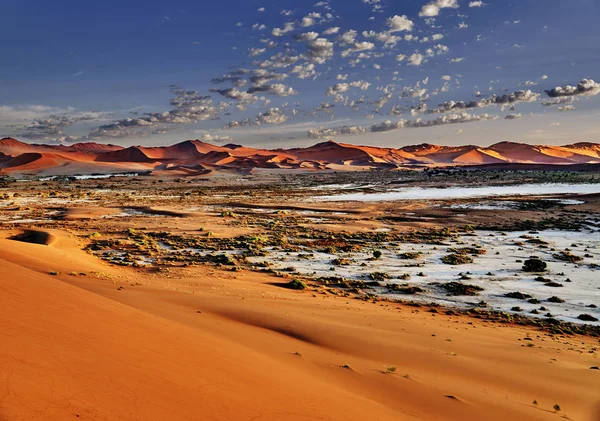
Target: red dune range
197	157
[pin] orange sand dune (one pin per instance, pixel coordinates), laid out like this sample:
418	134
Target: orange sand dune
478	156
585	148
132	154
89	147
233	347
182	150
68	353
330	152
13	147
185	156
35	161
517	152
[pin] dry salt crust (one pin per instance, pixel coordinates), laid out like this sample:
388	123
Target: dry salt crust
500	260
428	193
509	204
87	177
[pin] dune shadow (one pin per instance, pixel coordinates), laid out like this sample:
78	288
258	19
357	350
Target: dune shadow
35	237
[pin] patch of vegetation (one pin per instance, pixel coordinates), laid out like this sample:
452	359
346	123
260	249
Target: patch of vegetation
410	255
341	262
517	295
458	288
223	259
404	289
553	284
296	284
556	299
457	259
567	256
474	251
587	318
534	265
228	214
379	276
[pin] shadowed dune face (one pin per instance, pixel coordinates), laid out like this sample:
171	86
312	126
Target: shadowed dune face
35	237
186	157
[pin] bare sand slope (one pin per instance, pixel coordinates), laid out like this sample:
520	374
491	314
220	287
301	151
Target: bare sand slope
67	353
206	345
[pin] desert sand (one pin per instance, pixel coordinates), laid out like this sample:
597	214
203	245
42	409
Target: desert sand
86	339
235	347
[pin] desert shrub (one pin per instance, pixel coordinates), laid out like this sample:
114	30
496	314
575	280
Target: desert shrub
567	257
410	255
458	288
517	295
475	251
379	276
341	262
534	265
296	284
457	259
223	259
409	290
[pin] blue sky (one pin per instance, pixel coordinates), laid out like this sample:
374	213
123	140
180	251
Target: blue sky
139	72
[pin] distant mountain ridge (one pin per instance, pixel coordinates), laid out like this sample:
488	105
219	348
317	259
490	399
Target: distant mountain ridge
196	155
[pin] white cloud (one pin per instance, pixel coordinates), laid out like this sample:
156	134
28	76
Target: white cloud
361	84
310	19
506	99
433	8
566	108
208	137
513	116
287	27
327	133
337	88
358	46
585	87
348	37
416	59
400	23
331	31
304	71
320	50
307	36
256	51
